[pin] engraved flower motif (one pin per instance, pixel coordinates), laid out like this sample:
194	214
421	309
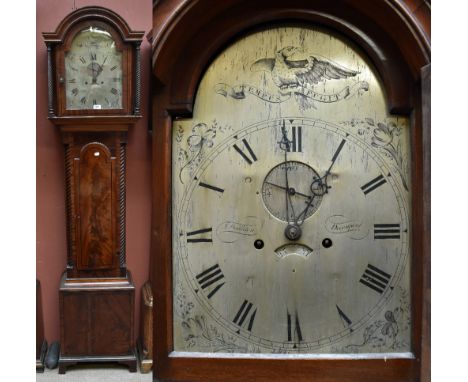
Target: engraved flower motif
201	135
194	327
383	135
390	328
384	138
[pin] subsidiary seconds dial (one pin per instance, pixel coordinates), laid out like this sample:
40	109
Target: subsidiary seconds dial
279	293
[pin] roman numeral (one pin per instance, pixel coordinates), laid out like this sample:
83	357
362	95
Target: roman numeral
211	277
343	316
375	278
83	100
114	91
75	91
295	143
210	187
386	231
94	102
116	79
294	333
114	67
246	315
82	59
373	184
200	239
93	56
249	159
72	81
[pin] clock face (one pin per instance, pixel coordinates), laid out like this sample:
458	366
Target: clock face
291	225
93	71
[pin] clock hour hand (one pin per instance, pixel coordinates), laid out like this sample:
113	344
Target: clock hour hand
301	217
335	156
292	231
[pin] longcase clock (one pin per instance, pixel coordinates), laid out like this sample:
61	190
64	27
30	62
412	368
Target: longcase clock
94	98
287	223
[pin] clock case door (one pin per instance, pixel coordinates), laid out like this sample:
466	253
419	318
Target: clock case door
185	38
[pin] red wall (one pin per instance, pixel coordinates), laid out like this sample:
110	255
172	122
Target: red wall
50	194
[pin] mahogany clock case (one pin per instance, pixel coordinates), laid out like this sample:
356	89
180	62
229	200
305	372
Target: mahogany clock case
96	290
186	37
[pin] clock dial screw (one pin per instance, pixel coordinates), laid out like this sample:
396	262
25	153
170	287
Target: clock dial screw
259	244
293	232
327	243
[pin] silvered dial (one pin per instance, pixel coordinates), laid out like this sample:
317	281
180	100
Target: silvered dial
302	293
93	71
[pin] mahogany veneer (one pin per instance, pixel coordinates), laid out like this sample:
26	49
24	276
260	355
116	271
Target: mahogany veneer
96	324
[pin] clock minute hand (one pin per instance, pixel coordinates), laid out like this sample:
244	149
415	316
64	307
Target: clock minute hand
319	186
335	156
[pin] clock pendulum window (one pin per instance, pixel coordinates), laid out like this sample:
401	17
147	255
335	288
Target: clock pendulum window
94	98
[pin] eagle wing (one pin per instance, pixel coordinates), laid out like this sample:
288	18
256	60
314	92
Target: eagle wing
314	70
264	64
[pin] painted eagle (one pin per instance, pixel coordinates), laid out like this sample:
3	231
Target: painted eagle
288	74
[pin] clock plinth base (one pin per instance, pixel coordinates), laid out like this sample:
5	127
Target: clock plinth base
96	321
130	361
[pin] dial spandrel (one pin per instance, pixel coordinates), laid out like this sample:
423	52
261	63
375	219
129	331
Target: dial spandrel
291	204
93	71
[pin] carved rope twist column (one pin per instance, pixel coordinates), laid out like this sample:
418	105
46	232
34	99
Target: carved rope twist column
70	210
137	79
50	81
122	205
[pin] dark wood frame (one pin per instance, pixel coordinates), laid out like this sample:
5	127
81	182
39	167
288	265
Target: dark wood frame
186	36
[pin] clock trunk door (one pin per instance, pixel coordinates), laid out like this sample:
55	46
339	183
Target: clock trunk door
96	224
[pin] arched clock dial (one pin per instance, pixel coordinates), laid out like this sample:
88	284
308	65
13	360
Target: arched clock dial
291	224
93	71
296	294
